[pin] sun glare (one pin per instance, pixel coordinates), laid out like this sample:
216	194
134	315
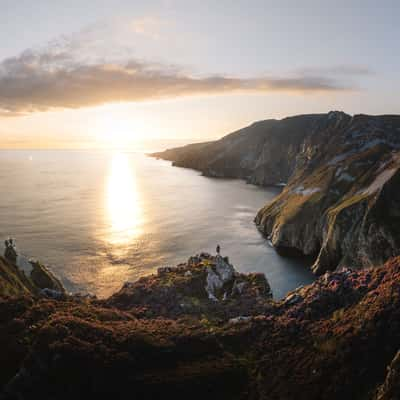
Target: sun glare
115	132
123	203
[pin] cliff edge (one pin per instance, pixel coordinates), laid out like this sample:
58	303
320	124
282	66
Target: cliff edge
340	177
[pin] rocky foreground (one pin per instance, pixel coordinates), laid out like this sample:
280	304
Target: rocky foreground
341	178
202	330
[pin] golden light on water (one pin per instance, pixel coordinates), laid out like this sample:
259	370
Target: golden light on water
123	202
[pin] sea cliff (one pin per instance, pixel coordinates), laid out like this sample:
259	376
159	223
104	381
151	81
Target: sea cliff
340	176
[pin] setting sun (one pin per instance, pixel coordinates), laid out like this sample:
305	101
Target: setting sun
114	129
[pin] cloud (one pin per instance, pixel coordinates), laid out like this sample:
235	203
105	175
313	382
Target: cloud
338	70
54	78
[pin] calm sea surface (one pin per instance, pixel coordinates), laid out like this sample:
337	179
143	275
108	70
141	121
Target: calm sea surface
102	218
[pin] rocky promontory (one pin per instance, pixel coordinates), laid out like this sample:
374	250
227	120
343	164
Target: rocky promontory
205	286
340	176
263	153
19	276
202	330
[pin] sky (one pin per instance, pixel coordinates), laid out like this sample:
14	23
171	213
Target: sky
105	74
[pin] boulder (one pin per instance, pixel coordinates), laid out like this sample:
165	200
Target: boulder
219	274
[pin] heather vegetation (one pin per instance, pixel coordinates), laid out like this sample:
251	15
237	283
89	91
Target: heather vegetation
164	336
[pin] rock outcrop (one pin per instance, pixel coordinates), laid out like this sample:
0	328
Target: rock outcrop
18	275
205	287
42	278
340	203
336	338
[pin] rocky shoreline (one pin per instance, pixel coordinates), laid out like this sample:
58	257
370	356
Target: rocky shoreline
203	330
340	178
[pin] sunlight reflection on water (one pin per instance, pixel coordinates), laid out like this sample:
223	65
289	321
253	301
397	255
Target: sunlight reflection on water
123	203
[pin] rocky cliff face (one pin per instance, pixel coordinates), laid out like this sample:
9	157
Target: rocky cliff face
164	336
341	202
20	276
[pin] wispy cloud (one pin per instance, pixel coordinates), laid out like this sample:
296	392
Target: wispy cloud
337	70
55	78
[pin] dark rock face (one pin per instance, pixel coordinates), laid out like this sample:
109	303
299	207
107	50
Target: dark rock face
341	202
337	338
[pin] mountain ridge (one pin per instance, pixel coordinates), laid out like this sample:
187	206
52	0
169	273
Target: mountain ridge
338	170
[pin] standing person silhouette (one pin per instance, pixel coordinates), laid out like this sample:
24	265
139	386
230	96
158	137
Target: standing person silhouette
218	249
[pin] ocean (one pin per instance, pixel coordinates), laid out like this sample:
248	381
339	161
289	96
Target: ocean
100	218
